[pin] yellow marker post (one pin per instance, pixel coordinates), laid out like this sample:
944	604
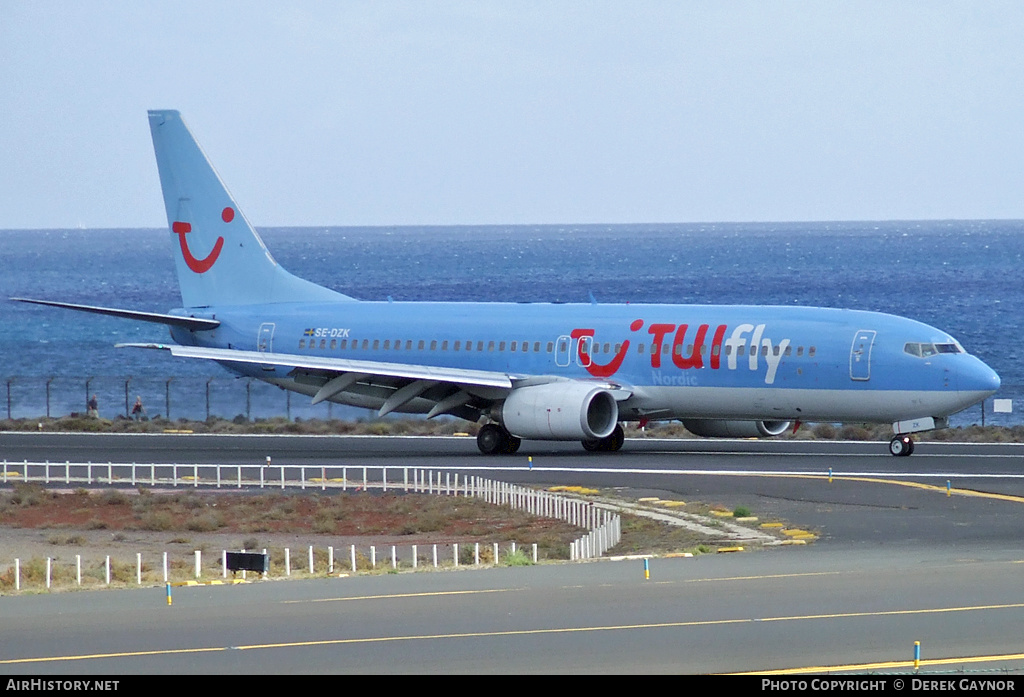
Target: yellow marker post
168	595
530	458
949	490
917	655
829	475
647	570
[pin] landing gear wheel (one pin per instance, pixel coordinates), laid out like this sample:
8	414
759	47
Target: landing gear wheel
490	439
495	440
614	442
901	446
608	444
512	445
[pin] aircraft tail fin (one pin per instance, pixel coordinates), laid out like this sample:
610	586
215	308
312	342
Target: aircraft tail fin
219	257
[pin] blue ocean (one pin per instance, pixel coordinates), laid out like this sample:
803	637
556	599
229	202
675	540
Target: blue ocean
961	276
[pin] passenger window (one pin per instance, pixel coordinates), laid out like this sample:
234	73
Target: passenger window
458	344
741	349
811	351
334	344
444	345
799	350
551	346
387	344
420	345
323	343
480	346
433	345
501	345
344	343
514	345
490	346
302	343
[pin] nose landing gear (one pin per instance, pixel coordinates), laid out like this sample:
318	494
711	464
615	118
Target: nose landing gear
901	446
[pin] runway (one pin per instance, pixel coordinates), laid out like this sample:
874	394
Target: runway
896	563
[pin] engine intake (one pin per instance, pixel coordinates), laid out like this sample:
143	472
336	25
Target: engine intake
714	428
559	411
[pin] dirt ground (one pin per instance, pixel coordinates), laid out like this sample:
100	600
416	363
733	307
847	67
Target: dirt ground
68	525
65	524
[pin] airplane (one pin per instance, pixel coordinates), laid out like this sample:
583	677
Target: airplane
561	372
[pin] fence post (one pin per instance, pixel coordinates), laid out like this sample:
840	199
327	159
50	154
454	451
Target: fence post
48	381
167	398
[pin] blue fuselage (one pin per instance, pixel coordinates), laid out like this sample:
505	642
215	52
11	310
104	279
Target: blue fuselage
679	360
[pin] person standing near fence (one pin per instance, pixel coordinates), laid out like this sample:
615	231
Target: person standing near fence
93	407
138	411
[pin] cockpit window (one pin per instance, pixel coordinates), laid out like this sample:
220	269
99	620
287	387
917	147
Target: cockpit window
925	350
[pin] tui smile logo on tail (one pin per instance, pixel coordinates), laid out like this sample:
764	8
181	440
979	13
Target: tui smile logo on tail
200	265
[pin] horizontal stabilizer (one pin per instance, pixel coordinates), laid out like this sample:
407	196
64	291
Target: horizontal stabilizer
194	324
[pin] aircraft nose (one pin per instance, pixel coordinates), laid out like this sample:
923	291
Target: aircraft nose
977	378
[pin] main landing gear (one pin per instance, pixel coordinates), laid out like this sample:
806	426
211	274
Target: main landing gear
901	445
496	440
608	444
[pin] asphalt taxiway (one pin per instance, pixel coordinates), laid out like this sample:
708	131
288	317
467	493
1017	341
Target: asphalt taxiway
900	559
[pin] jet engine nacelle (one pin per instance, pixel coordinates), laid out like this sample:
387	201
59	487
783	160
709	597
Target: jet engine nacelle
559	411
714	428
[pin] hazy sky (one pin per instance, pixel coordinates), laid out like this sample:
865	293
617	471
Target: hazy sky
393	113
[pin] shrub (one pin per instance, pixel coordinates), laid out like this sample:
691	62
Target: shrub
824	431
517	558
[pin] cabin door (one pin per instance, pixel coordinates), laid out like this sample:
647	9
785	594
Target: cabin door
860	354
265	341
563	351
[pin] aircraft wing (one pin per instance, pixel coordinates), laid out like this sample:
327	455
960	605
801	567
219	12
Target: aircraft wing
481	378
407	381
